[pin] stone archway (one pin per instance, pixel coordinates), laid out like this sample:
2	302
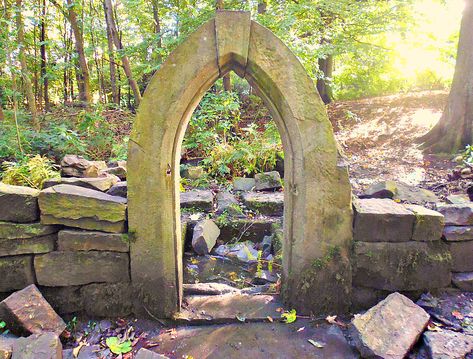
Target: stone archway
317	213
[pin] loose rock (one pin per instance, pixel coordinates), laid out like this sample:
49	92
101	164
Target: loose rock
71	240
120	189
461	256
227	202
74	166
270	204
428	225
18	204
148	354
267	181
205	236
197	199
243	183
16	272
458	233
194	172
6	347
28	311
457	199
447	344
390	329
464	281
400	191
457	214
38	346
118	171
103	183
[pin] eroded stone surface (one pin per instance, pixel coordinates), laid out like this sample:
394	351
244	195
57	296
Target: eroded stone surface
148	354
118	171
103	183
205	236
401	266
35	245
72	240
246	229
107	299
197	199
243	183
268	181
18	204
428	225
382	220
462	253
38	346
464	280
226	202
400	191
27	311
120	189
81	207
457	214
458	233
82	268
270	204
390	329
10	230
458	199
208	289
6	347
447	344
16	272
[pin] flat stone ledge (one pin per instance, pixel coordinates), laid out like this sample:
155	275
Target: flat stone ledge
428	225
269	204
18	204
464	281
73	240
462	256
35	245
457	214
59	269
16	272
10	230
197	199
458	233
38	346
382	220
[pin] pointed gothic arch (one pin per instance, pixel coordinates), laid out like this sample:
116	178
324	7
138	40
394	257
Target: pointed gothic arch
317	211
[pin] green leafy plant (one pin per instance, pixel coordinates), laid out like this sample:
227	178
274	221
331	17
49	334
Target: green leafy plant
71	324
118	347
30	171
3	327
289	317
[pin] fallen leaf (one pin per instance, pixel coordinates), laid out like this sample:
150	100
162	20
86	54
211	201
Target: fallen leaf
289	317
241	318
316	344
270	319
300	329
332	319
76	350
458	315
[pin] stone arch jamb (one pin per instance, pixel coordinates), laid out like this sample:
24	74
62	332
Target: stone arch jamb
317	211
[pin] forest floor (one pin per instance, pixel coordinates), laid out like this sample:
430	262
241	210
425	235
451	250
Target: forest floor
378	136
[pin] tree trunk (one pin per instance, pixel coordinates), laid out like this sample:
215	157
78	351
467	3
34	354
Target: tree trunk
44	75
27	85
118	44
227	82
323	84
111	57
455	128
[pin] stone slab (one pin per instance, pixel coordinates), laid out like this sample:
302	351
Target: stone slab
226	202
464	281
390	329
401	266
458	233
38	346
457	214
28	312
400	191
462	256
103	183
447	344
382	220
428	225
148	354
10	230
268	181
16	272
257	340
72	240
64	300
18	204
120	189
246	229
201	200
107	299
82	268
243	184
269	204
6	347
458	199
86	223
35	245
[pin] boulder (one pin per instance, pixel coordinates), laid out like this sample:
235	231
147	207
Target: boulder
35	245
227	202
457	199
400	191
243	184
18	204
447	344
464	281
103	183
390	329
16	272
118	171
6	347
270	204
428	225
401	266
205	236
200	200
148	354
267	181
120	189
457	214
194	172
28	312
38	346
10	230
462	256
83	208
72	240
382	220
74	166
458	233
82	268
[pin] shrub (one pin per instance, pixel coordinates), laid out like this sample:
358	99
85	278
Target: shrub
30	171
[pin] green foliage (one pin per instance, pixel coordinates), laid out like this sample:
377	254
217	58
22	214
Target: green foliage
30	171
118	347
289	317
467	156
3	327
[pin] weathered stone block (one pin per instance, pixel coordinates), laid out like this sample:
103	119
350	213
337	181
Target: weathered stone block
38	346
107	300
428	224
64	300
148	354
16	272
464	281
245	229
270	204
462	256
267	181
243	183
401	266
447	344
400	191
103	183
74	166
226	202
10	230
197	199
18	204
28	312
458	199
71	240
457	214
458	233
205	236
82	268
44	244
390	329
194	172
81	207
120	190
382	220
6	347
118	171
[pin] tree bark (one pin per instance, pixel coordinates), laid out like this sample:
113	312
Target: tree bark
455	128
43	64
323	84
118	44
227	82
27	85
111	57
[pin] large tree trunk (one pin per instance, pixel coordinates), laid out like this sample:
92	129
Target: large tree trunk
25	75
323	84
455	128
227	82
111	58
118	44
44	75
